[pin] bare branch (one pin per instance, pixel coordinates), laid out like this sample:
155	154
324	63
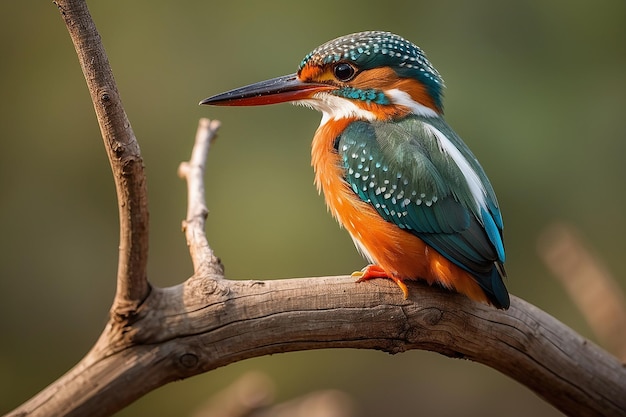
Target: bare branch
326	403
250	393
203	258
589	284
123	152
202	325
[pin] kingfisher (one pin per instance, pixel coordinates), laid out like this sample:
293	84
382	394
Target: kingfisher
413	197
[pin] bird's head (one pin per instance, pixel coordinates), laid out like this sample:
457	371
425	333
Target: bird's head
367	75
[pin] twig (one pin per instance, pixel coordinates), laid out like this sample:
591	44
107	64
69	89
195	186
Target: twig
588	283
251	392
252	395
323	403
204	260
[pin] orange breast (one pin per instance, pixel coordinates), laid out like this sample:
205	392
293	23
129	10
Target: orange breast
400	253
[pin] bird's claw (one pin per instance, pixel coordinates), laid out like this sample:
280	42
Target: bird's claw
375	271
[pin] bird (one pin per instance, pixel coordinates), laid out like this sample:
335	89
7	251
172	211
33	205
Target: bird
411	194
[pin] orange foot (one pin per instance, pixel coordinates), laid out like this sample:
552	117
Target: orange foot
375	271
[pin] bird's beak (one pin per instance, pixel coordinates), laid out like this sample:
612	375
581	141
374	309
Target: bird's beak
277	90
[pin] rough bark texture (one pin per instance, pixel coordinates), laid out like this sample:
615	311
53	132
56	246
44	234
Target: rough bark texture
123	152
204	324
156	335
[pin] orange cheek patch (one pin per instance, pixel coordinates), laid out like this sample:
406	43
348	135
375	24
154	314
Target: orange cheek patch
315	73
376	78
387	79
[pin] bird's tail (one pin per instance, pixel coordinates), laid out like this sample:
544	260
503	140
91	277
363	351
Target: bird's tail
493	285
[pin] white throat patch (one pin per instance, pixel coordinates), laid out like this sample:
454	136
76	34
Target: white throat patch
334	107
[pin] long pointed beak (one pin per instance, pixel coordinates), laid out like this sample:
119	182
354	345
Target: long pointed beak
276	90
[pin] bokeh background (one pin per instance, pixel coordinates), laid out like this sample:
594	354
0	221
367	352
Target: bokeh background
537	89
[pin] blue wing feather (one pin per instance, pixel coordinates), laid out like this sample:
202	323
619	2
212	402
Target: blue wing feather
405	174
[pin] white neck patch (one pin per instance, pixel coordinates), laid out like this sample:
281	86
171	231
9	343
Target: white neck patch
401	98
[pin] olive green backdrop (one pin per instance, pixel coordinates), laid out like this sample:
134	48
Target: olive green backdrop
536	88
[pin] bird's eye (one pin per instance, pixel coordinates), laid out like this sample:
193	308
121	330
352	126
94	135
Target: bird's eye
344	72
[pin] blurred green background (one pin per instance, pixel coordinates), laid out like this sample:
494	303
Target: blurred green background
536	88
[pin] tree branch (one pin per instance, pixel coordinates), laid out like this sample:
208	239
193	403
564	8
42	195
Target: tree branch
124	156
252	395
589	283
203	258
204	324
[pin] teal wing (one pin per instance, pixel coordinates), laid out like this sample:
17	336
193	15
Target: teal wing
418	174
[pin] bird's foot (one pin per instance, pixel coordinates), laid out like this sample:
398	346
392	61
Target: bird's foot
375	271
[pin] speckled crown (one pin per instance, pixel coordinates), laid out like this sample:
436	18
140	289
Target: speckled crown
374	49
